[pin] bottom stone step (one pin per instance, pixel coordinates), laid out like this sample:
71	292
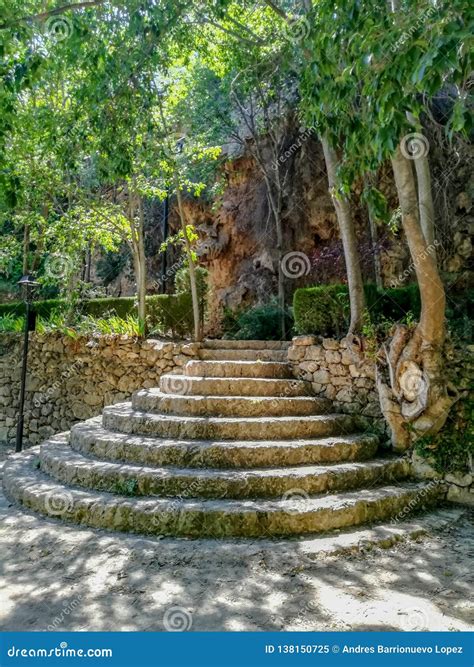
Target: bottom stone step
24	483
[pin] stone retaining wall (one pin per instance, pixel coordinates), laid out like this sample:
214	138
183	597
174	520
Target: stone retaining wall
72	379
337	372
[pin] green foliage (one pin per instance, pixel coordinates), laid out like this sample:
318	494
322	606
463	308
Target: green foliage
111	325
262	323
120	306
43	308
170	313
452	449
324	310
125	487
182	282
10	323
397	302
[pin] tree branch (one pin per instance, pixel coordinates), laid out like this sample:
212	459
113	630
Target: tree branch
277	9
54	12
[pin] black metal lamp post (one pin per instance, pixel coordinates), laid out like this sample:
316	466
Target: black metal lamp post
27	285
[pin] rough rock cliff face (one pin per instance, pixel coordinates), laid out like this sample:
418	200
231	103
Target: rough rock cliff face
238	237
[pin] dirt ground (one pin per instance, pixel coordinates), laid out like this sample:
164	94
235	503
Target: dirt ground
61	577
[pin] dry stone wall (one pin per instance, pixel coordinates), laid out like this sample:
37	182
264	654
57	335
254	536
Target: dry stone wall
72	379
338	372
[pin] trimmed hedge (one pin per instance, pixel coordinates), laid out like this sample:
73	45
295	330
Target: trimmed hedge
120	306
396	302
171	313
325	309
262	323
168	313
43	308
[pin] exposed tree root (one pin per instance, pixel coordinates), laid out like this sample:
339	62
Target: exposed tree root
415	397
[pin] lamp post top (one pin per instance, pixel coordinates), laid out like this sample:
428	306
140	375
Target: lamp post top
27	281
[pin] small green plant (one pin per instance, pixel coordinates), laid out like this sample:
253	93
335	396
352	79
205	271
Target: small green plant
452	449
11	324
127	487
111	325
262	323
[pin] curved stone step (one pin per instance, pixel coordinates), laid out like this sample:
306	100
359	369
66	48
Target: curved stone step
243	355
71	468
218	344
122	417
25	484
154	400
93	440
235	369
204	386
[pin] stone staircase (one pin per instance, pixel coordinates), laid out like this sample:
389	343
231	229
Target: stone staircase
234	447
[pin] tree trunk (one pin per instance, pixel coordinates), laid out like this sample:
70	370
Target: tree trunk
425	202
142	264
375	248
413	391
26	249
276	211
192	272
349	240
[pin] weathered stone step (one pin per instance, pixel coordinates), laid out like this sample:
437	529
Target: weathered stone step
122	417
69	467
93	440
217	344
205	386
25	484
154	400
243	355
235	369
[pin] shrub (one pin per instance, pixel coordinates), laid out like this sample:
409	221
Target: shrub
44	308
325	309
182	283
262	323
171	313
9	323
396	302
119	306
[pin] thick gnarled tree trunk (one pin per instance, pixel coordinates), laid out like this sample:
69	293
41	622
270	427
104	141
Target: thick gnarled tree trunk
412	388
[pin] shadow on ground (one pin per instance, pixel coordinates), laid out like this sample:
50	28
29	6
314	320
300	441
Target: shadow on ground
61	577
